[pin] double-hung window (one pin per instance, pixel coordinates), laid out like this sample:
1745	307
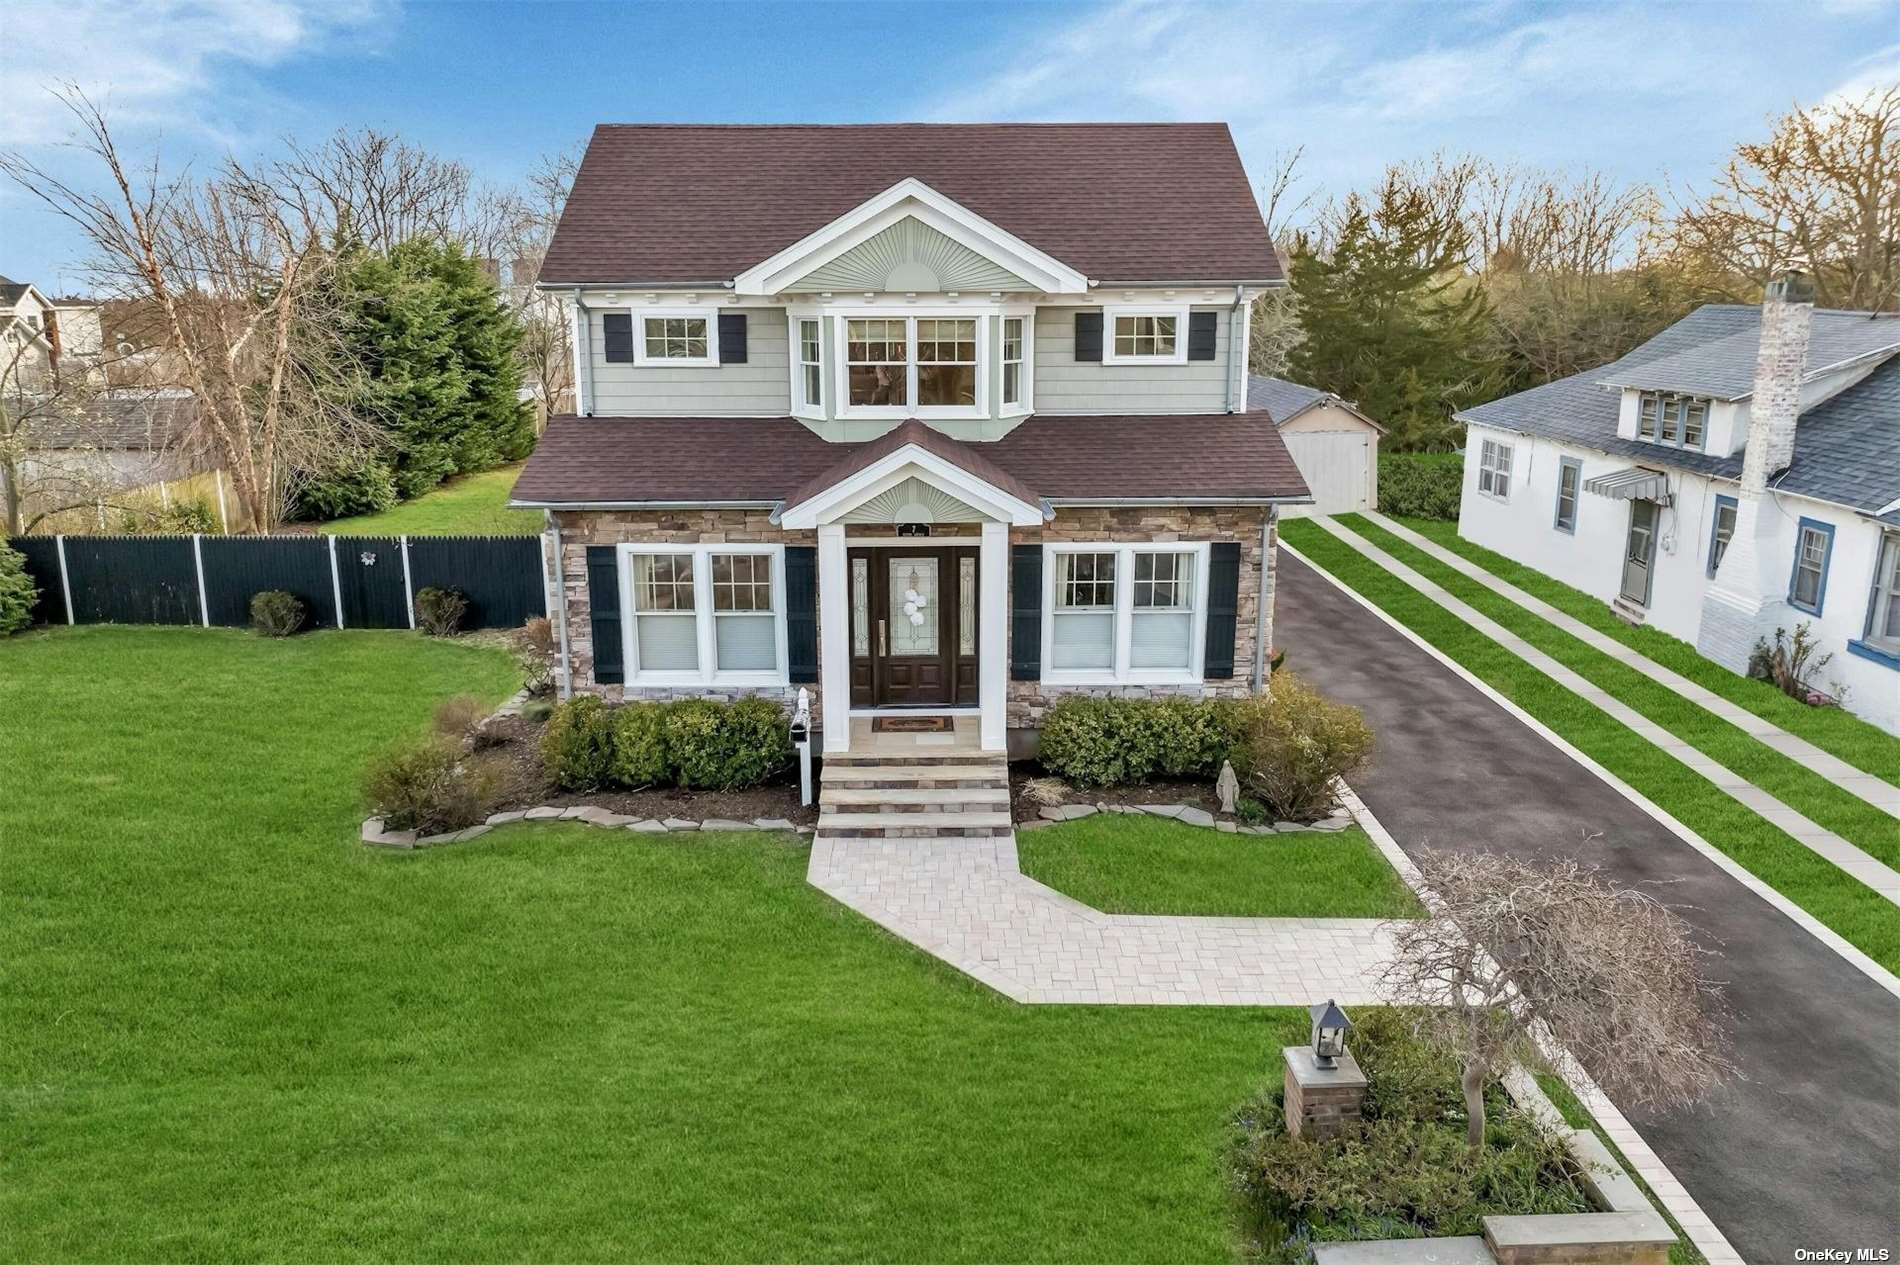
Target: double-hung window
1124	613
1015	343
1146	336
1569	479
946	362
877	352
704	614
1807	587
1494	469
1722	530
811	375
912	365
675	339
1680	421
1883	616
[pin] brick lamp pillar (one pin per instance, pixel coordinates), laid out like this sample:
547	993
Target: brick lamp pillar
1325	1090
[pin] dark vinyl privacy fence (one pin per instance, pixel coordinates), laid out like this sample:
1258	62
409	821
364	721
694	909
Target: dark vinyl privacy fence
344	581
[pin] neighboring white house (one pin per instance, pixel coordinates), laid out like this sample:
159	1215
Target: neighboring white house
1738	473
1335	445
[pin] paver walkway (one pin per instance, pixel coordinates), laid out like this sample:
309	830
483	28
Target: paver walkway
1800	1152
968	902
1818	839
1879	792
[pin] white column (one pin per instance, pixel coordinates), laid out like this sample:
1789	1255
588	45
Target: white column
834	637
992	660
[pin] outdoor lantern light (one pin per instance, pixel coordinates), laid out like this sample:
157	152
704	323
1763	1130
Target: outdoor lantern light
1329	1033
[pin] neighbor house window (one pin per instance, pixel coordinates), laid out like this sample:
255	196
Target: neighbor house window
946	362
1129	613
1813	542
1154	336
676	339
1721	531
1494	469
904	363
1013	327
706	614
1569	479
1883	619
810	365
1678	420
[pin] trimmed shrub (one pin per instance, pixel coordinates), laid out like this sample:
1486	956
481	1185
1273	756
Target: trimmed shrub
361	485
640	756
428	786
1290	744
439	612
1421	484
577	745
275	613
17	591
1118	741
724	746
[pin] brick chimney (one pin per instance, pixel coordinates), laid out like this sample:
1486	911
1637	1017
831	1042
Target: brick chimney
1745	601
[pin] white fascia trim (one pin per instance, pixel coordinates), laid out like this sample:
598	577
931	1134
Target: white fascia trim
910	460
641	315
910	196
1111	502
1179	311
642	505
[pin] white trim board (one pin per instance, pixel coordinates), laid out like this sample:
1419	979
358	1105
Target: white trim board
1793	912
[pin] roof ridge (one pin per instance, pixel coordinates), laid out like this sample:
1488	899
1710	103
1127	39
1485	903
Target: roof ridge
680	125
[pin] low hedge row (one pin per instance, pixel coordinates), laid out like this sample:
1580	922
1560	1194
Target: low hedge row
693	743
1421	484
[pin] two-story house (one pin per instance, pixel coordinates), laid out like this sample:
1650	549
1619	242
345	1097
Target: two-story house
945	418
1738	473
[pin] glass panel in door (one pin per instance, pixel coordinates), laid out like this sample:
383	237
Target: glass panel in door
913	607
1639	552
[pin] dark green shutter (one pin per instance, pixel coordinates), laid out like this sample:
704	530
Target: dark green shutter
603	612
801	609
1025	611
732	340
1223	608
616	338
1088	336
1202	327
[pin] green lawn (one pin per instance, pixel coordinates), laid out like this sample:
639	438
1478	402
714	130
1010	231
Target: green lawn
1839	733
1816	797
1849	907
232	1032
473	505
1149	865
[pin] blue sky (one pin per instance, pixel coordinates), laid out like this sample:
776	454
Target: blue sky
1657	92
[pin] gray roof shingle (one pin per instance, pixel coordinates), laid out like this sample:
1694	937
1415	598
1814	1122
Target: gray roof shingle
1281	398
1723	367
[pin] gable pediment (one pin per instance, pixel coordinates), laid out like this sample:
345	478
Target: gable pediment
911	256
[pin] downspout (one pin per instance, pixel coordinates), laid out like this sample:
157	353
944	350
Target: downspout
560	589
1265	601
583	357
1237	351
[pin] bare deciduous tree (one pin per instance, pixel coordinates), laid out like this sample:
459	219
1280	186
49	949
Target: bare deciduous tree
524	223
1510	951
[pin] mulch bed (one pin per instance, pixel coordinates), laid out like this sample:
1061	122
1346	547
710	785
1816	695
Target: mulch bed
519	742
1192	793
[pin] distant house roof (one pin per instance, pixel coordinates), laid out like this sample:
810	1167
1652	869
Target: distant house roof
1287	400
584	461
137	422
12	291
1719	360
695	205
1847	449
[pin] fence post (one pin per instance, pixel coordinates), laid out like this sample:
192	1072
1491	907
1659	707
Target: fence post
336	585
224	519
408	590
198	556
65	584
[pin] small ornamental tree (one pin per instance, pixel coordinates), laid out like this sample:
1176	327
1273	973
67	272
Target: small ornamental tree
17	591
1511	952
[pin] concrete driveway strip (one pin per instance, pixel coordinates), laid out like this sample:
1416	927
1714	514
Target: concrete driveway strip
1801	1153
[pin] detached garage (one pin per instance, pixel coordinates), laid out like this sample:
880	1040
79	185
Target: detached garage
1335	445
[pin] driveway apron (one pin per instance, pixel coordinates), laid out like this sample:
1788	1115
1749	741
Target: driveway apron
1800	1153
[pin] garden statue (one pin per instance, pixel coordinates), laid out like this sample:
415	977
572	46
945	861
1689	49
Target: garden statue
1227	787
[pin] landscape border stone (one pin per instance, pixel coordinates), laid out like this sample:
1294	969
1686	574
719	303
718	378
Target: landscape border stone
375	836
1186	814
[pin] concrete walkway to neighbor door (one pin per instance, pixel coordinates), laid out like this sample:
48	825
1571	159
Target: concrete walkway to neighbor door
1879	792
1798	1153
1818	839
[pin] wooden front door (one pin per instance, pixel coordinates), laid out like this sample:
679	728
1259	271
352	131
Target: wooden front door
913	627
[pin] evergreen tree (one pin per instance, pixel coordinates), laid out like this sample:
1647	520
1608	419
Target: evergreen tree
1393	321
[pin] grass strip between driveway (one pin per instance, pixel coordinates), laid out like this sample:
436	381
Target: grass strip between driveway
1800	788
1129	864
1834	730
1852	910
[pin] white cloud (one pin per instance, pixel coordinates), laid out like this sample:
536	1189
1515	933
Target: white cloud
158	63
1876	72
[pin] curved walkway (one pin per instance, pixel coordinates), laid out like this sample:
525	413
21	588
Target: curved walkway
1796	1154
968	902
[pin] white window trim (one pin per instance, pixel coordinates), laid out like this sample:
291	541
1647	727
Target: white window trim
1109	315
1121	673
707	628
802	407
1027	404
1507	461
641	315
841	369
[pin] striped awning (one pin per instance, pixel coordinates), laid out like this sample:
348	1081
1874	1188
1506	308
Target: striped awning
1632	484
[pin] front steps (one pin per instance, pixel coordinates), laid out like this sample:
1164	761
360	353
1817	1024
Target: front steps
957	793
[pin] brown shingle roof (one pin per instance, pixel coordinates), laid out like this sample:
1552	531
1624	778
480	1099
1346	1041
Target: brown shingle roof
669	460
695	205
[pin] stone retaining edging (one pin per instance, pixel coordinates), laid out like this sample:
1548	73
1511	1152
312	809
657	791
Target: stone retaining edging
376	837
1187	814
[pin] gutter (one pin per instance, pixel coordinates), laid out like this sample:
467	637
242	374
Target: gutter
641	505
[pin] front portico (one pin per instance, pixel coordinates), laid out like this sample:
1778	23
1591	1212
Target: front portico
953	507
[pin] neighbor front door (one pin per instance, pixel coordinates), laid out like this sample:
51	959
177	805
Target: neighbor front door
913	627
1639	552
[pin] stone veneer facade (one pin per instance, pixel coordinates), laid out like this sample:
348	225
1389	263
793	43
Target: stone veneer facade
1027	700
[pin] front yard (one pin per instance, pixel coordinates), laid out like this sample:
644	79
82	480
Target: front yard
232	1032
469	505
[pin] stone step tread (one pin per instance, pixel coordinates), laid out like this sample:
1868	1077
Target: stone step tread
914	795
912	821
948	755
912	772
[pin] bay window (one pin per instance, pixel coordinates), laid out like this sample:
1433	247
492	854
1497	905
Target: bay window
1124	613
1014	349
670	339
704	614
810	366
876	351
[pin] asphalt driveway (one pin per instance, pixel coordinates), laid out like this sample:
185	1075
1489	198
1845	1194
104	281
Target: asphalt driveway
1801	1153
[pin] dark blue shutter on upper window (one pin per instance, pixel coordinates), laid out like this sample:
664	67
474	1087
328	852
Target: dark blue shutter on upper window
603	614
732	350
1223	603
801	612
1088	336
616	338
1202	327
1025	612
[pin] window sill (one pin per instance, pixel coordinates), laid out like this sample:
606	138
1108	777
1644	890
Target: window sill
697	681
1874	654
1109	358
1175	677
1814	610
923	412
